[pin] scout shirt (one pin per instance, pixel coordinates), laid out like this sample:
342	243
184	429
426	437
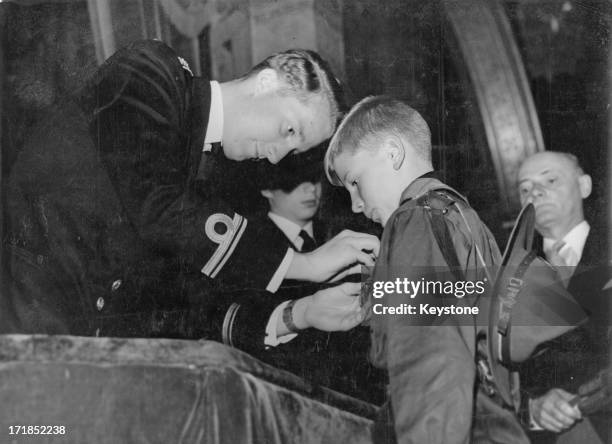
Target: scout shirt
431	367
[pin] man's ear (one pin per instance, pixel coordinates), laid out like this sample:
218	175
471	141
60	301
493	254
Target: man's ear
396	150
586	185
267	194
266	80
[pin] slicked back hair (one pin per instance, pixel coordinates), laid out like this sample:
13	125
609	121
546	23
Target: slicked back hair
369	122
291	171
305	75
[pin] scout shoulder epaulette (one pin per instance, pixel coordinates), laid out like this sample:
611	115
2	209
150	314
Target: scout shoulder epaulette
440	200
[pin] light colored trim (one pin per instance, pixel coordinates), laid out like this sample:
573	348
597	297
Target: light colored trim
228	324
227	241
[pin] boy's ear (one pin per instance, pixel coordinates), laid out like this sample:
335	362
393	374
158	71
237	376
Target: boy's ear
396	151
266	193
266	80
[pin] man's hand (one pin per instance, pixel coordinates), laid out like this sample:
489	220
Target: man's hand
340	256
554	412
332	309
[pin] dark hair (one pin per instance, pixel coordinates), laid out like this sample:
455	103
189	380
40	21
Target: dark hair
369	121
292	171
305	73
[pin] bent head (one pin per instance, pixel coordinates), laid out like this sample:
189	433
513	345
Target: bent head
556	185
287	104
379	149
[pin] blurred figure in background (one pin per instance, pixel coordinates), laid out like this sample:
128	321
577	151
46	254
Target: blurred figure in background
292	190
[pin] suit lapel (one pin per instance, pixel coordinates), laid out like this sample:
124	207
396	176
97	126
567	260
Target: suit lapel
591	274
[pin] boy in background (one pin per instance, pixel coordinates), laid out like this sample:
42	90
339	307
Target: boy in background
293	193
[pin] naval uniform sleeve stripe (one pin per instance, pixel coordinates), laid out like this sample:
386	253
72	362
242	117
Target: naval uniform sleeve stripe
231	326
227	241
228	324
242	224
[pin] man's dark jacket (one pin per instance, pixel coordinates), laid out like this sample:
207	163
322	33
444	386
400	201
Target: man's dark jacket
575	357
113	232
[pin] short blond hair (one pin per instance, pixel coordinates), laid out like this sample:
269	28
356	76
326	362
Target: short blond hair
372	119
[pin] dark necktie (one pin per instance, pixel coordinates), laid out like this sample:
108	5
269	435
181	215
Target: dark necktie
309	243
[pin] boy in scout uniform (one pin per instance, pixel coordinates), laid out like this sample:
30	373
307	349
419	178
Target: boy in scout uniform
381	154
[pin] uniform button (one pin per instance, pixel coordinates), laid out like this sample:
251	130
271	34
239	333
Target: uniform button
100	303
116	285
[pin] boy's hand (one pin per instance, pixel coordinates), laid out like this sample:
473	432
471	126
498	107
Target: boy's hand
332	309
340	256
554	412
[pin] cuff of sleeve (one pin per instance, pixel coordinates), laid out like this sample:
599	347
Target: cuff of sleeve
533	425
272	340
281	272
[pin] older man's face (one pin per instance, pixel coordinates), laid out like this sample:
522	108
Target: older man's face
556	188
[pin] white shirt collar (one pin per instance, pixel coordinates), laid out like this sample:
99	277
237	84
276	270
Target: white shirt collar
214	130
291	229
575	238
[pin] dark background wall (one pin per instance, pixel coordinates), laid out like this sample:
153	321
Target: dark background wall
406	49
565	47
399	47
47	50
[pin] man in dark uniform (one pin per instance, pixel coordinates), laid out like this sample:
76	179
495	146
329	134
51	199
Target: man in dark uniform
381	154
114	229
556	185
